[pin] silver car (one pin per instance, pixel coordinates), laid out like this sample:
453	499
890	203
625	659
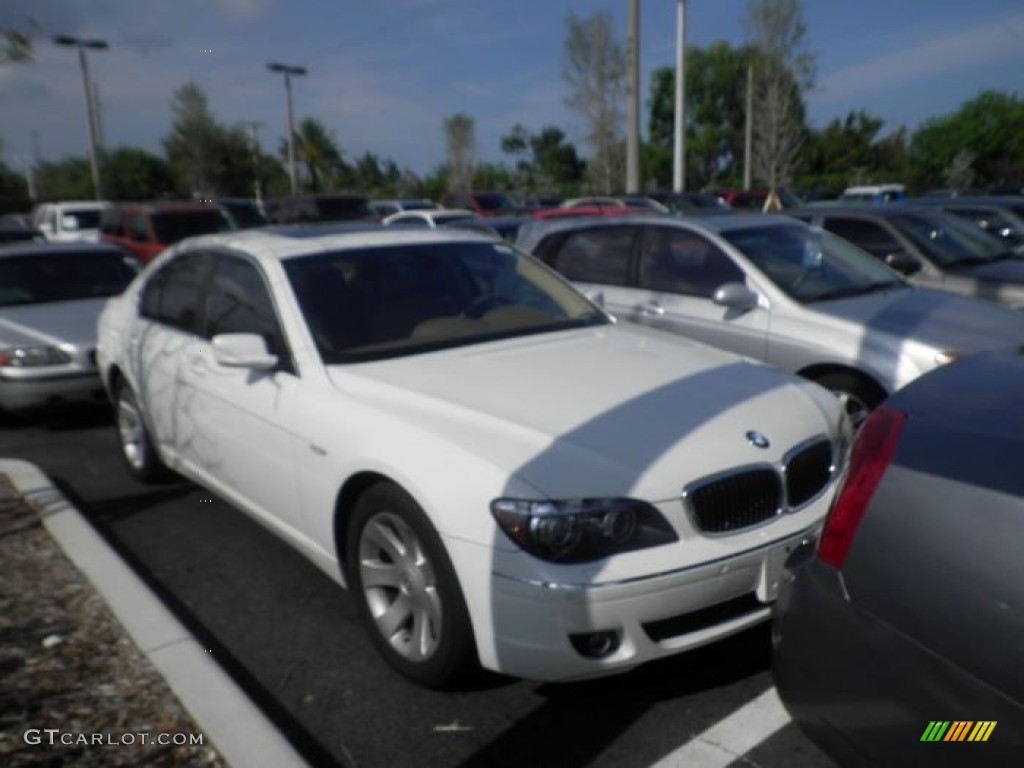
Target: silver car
51	295
774	289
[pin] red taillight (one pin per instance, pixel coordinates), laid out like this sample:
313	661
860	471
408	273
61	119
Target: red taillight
871	454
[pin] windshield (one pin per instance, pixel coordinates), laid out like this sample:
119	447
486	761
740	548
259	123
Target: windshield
245	215
949	240
494	202
171	227
87	219
395	300
810	265
37	278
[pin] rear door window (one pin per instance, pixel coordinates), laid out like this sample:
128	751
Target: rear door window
600	255
172	295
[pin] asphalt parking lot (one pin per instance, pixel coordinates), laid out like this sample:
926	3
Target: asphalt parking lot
292	639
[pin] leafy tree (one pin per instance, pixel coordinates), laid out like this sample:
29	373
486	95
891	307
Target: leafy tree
783	70
193	142
595	71
16	44
317	149
131	173
990	127
715	116
546	159
66	179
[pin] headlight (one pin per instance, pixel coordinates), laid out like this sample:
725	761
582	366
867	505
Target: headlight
941	358
33	357
579	530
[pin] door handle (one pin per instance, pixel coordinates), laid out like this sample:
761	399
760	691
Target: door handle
652	308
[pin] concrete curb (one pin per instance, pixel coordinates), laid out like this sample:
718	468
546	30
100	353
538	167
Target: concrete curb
240	731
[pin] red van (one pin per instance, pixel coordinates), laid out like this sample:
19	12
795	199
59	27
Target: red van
145	229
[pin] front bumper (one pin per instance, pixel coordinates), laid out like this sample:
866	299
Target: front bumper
654	616
23	394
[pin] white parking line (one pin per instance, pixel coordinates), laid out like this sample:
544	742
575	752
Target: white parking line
731	738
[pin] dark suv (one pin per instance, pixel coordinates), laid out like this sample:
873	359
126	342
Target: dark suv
313	208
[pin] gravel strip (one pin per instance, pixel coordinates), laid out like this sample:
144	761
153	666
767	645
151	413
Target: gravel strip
67	664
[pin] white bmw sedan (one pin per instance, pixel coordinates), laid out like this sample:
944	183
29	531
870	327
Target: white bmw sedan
497	471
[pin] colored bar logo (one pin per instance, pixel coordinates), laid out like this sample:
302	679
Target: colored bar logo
958	730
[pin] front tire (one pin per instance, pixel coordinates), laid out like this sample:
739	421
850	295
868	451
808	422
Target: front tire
137	447
406	590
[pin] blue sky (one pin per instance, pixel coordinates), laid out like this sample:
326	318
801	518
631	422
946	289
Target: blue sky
384	73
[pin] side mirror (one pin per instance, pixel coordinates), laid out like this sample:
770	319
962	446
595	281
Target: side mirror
243	350
69	223
903	263
735	296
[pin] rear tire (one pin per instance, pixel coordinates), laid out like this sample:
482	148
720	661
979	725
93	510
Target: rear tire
406	590
858	394
137	449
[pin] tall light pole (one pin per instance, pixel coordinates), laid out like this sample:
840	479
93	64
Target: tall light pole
288	71
633	129
81	45
679	166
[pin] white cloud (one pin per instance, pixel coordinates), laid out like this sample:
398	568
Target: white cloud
953	51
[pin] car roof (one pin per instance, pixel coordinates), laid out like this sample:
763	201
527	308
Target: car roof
287	241
532	233
29	248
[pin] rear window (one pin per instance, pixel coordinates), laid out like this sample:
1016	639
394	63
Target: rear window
170	227
38	278
246	215
87	219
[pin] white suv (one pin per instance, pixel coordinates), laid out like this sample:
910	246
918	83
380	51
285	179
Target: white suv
69	221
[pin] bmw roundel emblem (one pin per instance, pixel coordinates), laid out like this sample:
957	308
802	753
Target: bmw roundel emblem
757	439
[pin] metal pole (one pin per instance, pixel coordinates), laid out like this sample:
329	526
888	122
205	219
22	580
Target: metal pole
94	160
748	138
679	167
291	133
254	134
633	139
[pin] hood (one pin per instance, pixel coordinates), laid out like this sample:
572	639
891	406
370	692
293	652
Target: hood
615	410
942	320
52	323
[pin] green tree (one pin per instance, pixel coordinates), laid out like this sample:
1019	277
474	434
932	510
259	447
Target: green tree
317	149
546	159
131	173
715	116
193	142
16	44
990	127
66	179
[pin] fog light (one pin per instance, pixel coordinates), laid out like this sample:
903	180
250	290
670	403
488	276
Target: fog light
597	645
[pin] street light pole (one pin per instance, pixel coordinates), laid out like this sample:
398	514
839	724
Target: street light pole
288	72
633	138
679	167
81	45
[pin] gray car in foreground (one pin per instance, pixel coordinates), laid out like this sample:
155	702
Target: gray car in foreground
51	295
772	288
899	639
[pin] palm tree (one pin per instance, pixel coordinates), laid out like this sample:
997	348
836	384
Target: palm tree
317	149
